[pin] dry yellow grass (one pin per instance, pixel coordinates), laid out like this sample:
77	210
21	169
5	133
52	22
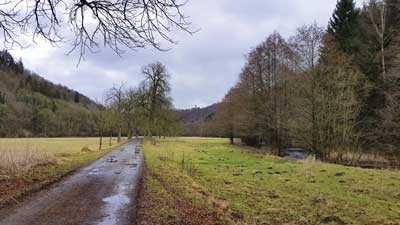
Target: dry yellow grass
18	155
19	158
28	164
56	145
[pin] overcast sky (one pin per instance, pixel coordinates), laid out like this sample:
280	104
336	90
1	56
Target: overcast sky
202	67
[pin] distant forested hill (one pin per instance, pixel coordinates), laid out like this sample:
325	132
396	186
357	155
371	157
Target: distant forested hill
33	106
196	121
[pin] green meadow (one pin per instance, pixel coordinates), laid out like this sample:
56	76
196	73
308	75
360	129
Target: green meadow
240	186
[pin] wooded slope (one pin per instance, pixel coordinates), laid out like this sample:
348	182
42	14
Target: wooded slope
33	106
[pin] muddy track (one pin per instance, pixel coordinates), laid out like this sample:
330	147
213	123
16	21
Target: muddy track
102	193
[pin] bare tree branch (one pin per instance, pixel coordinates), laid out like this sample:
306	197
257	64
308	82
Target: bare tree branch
115	24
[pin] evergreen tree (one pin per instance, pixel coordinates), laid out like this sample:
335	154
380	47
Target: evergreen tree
19	66
344	26
76	97
393	33
2	98
389	128
53	106
21	84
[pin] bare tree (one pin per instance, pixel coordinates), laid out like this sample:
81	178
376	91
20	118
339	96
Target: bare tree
263	84
156	93
307	44
134	111
227	112
115	98
377	11
116	24
101	121
390	126
341	91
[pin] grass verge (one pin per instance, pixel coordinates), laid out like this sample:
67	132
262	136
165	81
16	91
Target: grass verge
231	185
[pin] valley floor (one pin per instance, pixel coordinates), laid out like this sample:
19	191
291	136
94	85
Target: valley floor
208	181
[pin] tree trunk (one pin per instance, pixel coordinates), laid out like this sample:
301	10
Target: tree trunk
383	25
383	61
231	140
101	140
119	134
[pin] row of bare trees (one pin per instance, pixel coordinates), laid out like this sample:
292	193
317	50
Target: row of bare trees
144	110
318	88
328	91
297	92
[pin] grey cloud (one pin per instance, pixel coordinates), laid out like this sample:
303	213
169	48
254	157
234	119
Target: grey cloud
203	66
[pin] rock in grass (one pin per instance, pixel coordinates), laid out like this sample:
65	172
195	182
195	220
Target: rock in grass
319	200
340	174
333	219
273	196
236	215
357	190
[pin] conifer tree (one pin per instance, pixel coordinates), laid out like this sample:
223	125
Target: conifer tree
2	98
76	97
344	25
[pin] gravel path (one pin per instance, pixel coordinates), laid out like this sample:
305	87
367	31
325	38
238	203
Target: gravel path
103	193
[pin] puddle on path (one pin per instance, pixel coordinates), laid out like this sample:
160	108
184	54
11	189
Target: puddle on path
113	205
94	172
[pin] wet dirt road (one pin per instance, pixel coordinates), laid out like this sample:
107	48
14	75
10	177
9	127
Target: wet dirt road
102	193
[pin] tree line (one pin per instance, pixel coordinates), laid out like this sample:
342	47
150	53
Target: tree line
31	106
333	90
145	110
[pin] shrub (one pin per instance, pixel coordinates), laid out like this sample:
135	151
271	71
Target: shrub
86	149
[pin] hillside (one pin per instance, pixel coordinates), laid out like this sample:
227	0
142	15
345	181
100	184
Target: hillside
196	120
33	106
